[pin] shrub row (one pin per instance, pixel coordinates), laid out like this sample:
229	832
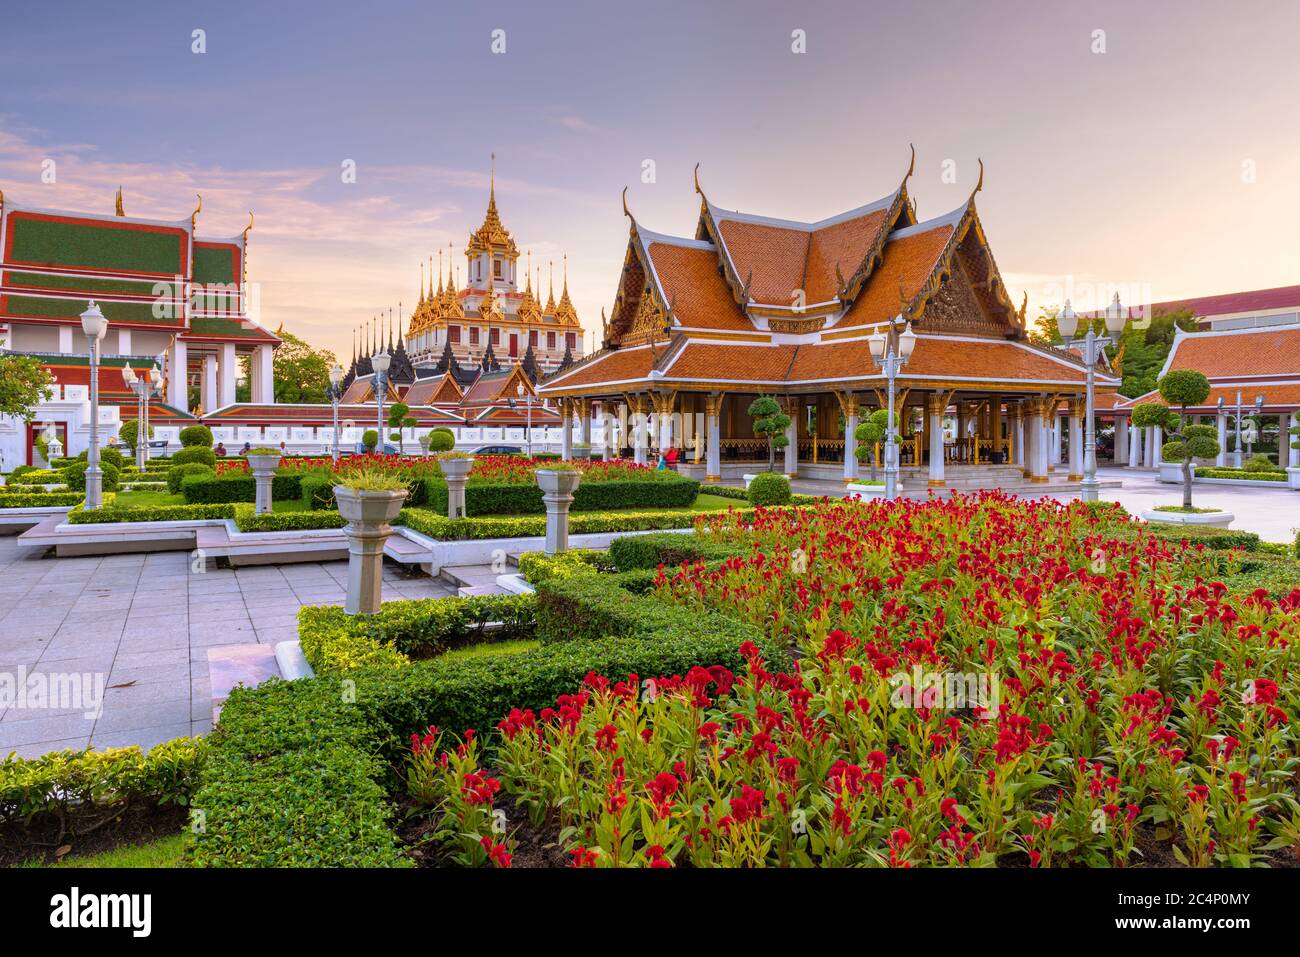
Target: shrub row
63	781
537	567
38	499
26	475
149	513
1209	536
246	520
440	527
207	489
1225	473
335	642
666	548
502	499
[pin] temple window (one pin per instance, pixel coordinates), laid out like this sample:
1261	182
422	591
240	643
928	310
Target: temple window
473	335
453	333
496	268
532	338
495	337
550	340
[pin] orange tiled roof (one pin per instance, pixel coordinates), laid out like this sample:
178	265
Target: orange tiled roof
1277	396
692	285
717	360
362	391
1243	352
620	365
908	262
939	357
786	256
433	391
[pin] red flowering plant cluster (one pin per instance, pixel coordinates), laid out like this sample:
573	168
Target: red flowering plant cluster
1138	708
461	796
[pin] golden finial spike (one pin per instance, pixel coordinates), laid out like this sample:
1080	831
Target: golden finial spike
911	167
627	212
194	216
492	175
249	228
980	184
697	180
117	205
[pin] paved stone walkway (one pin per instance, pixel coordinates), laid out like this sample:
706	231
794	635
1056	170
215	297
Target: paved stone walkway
143	625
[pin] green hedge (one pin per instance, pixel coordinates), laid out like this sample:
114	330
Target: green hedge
502	499
246	520
1227	473
1208	536
33	476
666	548
61	782
334	642
209	489
318	492
179	473
150	513
515	526
33	499
769	488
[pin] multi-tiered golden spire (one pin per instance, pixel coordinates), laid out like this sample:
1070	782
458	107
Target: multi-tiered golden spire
492	236
565	313
529	310
550	292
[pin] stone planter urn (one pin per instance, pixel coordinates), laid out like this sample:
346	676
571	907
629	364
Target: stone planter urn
368	515
263	468
865	491
1293	478
558	486
581	453
456	471
1171	472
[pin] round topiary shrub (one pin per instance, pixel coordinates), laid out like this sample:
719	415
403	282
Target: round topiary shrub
769	488
113	457
177	473
196	435
74	476
441	440
370	438
1260	463
196	453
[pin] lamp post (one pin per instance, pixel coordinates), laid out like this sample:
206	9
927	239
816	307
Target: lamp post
94	325
1092	345
528	401
1251	435
336	378
145	387
890	352
1236	445
380	362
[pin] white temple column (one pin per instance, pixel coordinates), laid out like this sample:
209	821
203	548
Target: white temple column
850	407
935	405
1042	427
713	430
227	366
1018	435
177	375
1221	423
1076	440
585	410
1293	454
1058	432
1157	446
261	376
640	427
1121	440
792	409
1134	446
208	388
1284	440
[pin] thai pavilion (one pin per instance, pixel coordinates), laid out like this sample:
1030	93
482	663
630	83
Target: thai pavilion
751	305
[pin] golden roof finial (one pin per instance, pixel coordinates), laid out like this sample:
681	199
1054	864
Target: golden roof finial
117	205
979	185
439	274
422	282
194	216
528	274
697	180
627	212
911	167
492	235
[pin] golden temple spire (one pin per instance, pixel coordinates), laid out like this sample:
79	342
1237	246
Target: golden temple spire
492	235
439	272
550	292
117	205
422	282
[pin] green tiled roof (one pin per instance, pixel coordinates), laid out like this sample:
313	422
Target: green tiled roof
40	306
96	245
214	265
219	326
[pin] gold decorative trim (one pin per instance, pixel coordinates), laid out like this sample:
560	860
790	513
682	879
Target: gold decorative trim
797	326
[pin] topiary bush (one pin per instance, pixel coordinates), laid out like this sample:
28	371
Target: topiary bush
74	476
196	435
769	488
177	473
370	439
441	440
196	453
1259	463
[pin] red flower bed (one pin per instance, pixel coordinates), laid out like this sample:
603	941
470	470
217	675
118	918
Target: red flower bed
979	681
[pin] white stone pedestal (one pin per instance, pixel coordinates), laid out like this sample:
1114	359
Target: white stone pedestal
558	486
368	515
456	471
263	468
1293	478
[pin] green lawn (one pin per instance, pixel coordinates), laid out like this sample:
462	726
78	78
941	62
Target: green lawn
486	648
152	499
164	852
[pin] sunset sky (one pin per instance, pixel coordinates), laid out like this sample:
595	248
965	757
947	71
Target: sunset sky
1169	163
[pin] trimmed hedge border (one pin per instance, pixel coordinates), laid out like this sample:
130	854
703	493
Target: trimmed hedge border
651	551
39	499
500	499
211	489
299	771
528	526
334	642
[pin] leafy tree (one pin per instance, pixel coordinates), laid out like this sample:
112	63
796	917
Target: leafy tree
1181	388
398	413
871	432
24	384
129	432
1045	331
771	422
302	374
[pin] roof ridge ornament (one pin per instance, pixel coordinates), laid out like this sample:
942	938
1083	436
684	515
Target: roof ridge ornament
697	180
911	167
979	185
194	216
627	212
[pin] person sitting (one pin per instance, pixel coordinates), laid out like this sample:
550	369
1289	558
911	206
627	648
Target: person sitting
245	449
220	450
671	456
